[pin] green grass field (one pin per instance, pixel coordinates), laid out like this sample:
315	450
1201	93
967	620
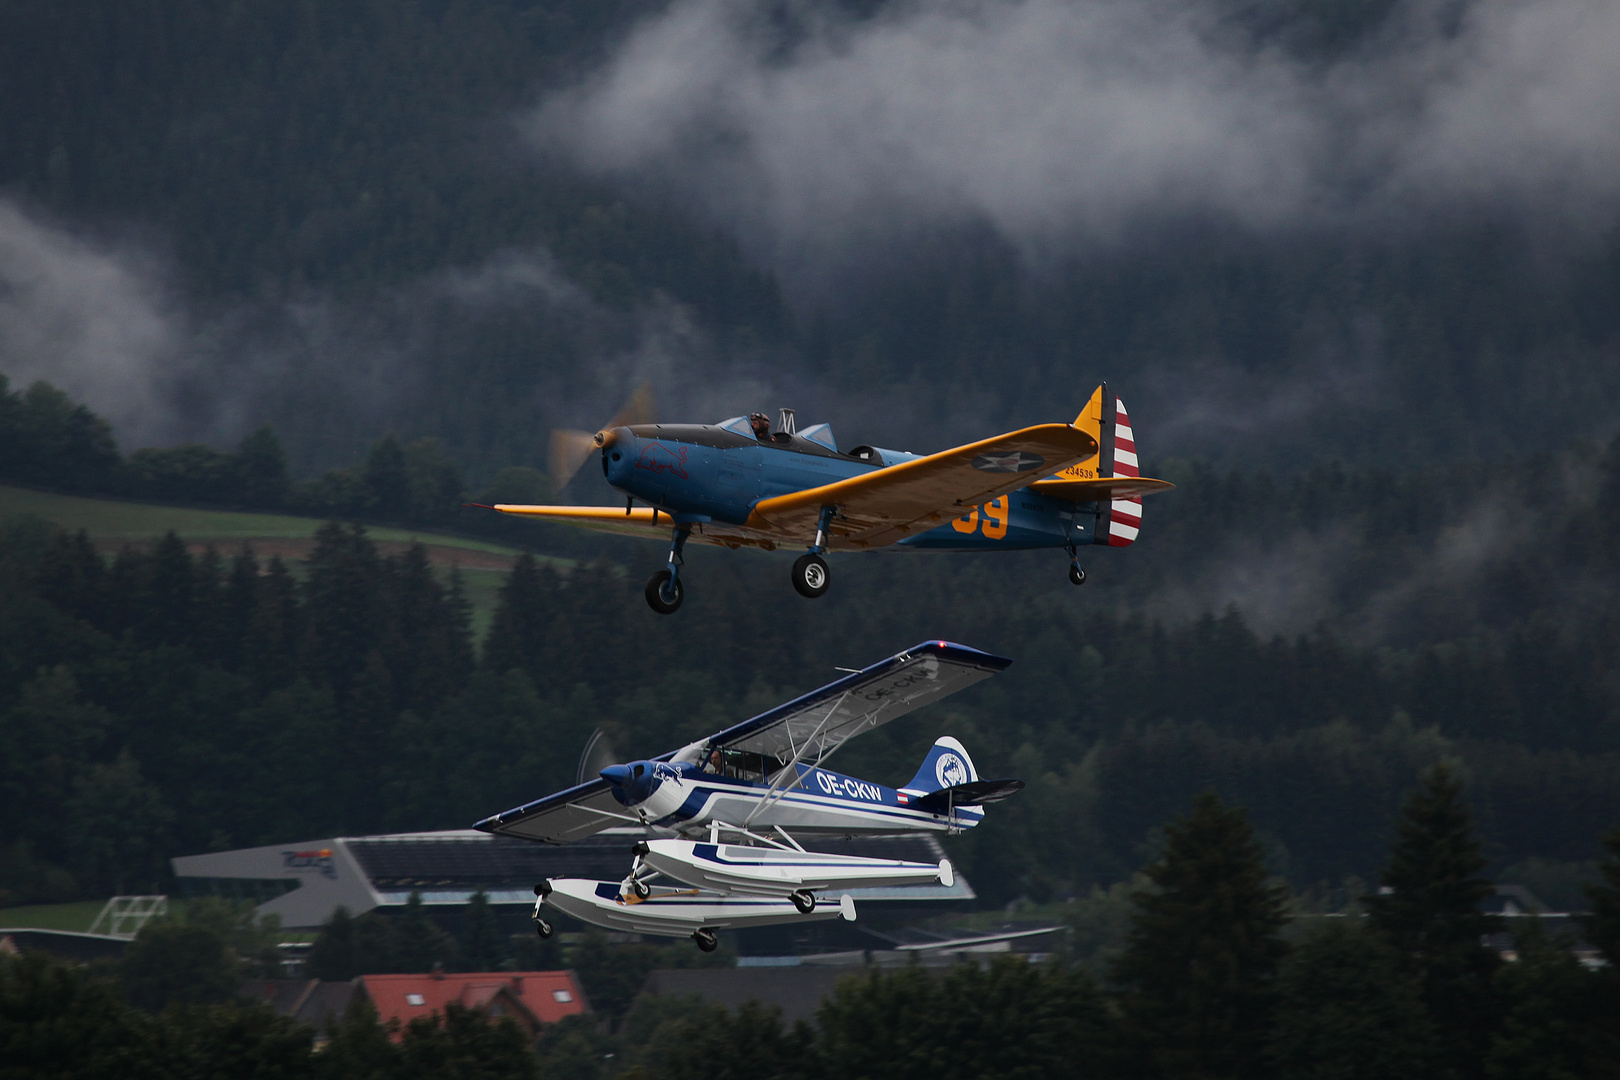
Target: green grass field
110	522
112	519
75	916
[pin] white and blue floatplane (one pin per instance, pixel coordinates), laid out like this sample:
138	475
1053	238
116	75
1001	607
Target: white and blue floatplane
721	815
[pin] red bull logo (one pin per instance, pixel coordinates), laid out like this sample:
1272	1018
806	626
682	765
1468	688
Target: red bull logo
659	458
319	861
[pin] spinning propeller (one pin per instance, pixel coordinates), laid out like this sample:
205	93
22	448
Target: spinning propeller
571	447
597	755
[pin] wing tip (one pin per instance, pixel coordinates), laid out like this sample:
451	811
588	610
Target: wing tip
962	654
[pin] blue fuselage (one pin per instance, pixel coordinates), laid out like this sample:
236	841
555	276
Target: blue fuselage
683	796
700	473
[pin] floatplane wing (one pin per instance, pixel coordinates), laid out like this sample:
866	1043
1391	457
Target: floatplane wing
805	729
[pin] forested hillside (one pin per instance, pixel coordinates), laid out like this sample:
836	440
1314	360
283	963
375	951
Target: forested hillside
357	260
167	703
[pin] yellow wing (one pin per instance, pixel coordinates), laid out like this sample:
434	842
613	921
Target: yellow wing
881	507
640	521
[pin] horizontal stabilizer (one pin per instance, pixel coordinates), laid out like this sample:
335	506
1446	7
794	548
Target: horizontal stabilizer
1106	487
975	793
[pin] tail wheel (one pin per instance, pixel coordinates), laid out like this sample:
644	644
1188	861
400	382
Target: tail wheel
1077	576
804	901
810	576
706	939
660	585
542	928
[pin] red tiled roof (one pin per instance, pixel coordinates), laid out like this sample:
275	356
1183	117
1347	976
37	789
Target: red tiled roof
548	995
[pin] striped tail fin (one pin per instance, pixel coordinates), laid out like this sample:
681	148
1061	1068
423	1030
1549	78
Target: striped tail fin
1119	519
1124	515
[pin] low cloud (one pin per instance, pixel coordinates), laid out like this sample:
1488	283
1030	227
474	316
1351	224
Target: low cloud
1068	124
93	318
101	320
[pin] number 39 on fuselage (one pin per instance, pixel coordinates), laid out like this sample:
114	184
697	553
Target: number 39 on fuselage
739	483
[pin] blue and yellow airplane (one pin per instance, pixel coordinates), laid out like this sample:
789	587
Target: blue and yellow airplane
740	483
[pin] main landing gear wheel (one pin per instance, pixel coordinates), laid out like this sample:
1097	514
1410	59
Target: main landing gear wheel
706	939
641	889
542	928
1077	576
802	900
658	586
810	575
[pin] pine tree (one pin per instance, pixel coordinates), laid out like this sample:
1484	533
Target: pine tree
1429	910
344	614
421	944
260	469
169	593
1559	1019
518	633
1197	977
1347	1010
1602	926
333	954
481	948
271	641
387	481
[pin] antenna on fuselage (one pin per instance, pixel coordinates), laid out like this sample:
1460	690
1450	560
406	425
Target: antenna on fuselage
786	423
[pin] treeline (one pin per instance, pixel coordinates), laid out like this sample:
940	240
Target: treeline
50	441
170	702
66	1022
1219	976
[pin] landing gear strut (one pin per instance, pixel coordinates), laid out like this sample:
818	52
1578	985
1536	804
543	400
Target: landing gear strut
664	591
541	927
1077	576
706	939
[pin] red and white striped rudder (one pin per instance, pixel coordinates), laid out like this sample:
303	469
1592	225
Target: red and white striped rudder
1125	515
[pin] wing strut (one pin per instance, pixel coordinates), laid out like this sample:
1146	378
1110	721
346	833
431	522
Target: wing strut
778	789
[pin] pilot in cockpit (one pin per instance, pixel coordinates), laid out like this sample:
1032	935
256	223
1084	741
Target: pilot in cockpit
715	765
761	425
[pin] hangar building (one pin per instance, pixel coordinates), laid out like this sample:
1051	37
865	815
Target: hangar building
305	883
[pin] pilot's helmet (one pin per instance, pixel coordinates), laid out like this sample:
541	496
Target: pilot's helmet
759	422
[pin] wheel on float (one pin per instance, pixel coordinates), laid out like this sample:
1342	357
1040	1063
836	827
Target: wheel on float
810	575
804	901
657	586
641	889
1077	576
706	939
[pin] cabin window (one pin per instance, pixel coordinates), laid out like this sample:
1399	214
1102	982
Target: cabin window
743	765
738	425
